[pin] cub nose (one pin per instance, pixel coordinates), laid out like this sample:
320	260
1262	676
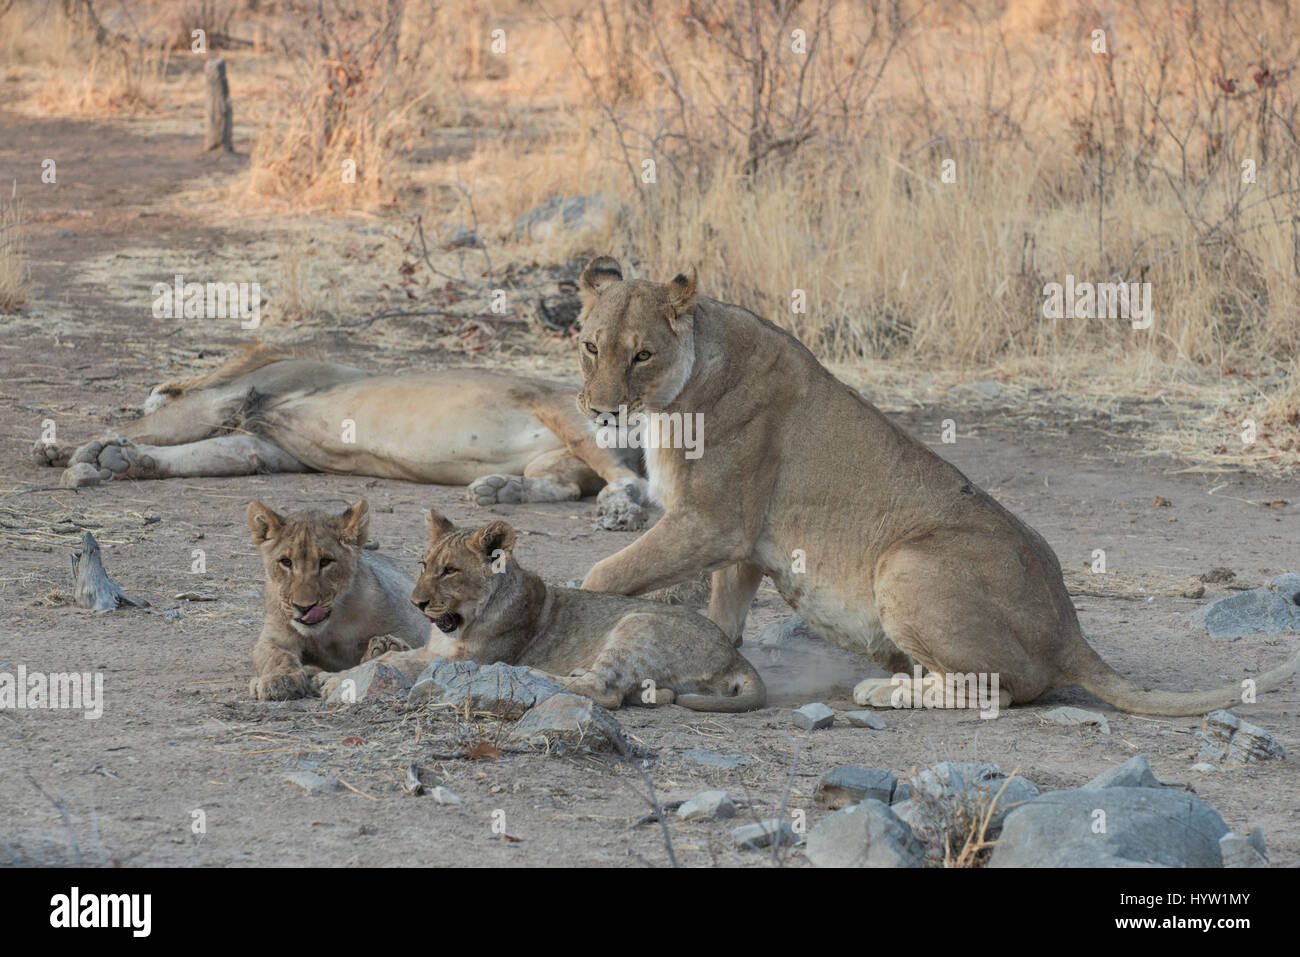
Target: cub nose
303	609
420	604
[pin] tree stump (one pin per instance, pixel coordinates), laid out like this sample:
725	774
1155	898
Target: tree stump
220	119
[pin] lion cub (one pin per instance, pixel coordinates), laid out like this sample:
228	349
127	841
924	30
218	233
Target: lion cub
326	598
486	608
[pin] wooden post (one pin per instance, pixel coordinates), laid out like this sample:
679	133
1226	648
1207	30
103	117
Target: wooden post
220	119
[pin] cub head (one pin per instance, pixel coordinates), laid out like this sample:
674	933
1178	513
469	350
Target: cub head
637	345
461	571
309	559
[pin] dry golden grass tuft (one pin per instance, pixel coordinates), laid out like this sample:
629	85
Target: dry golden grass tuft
13	263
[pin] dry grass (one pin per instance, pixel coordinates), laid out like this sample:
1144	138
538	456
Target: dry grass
13	264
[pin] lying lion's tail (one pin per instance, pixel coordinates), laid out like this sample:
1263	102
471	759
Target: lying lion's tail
249	358
1116	690
750	693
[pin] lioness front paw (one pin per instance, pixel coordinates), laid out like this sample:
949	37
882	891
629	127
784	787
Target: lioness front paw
107	459
876	692
52	454
281	686
622	506
382	644
497	490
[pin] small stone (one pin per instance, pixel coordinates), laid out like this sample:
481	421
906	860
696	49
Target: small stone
1073	716
195	596
865	719
1133	773
841	787
441	795
750	837
1227	737
1244	851
715	759
813	717
372	680
987	389
1203	767
864	835
571	720
1160	502
708	806
1194	591
312	782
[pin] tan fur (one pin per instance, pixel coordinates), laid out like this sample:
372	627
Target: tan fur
904	558
486	608
310	560
509	438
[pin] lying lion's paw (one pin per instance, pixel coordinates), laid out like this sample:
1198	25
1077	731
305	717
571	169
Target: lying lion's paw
876	692
281	686
327	682
497	490
622	506
114	458
382	644
52	454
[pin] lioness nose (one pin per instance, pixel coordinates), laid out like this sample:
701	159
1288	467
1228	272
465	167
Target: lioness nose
420	604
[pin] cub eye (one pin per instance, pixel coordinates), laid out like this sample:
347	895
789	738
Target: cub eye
641	356
286	562
591	347
449	571
326	562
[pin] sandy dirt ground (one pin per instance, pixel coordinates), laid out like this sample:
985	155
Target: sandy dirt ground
179	733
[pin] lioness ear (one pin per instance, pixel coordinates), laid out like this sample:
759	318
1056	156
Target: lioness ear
262	522
600	272
493	536
681	295
439	525
353	526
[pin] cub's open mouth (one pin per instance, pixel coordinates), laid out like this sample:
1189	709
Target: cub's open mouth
448	622
313	615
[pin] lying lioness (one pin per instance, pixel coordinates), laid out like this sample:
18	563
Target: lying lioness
612	649
511	439
326	599
882	546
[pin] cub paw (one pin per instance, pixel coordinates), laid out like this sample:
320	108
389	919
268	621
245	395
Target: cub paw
623	506
327	682
876	692
382	644
497	490
281	686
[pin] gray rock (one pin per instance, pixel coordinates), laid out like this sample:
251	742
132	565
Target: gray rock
783	634
374	679
987	389
866	719
749	837
1133	773
505	690
442	795
813	717
575	214
715	759
708	806
1244	851
1112	827
1072	716
841	787
312	782
1288	586
1227	737
1266	610
864	835
570	720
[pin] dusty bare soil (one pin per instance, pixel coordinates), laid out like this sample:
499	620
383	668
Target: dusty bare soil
179	733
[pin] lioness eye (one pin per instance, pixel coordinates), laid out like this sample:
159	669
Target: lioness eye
326	562
642	356
286	562
591	347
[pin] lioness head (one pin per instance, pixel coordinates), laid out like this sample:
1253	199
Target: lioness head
309	559
637	345
461	571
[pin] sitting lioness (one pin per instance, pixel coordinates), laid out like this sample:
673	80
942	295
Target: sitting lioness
326	599
882	546
612	649
265	410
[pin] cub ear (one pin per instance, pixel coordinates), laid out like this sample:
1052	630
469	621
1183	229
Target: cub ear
439	525
681	291
263	523
353	526
600	272
493	536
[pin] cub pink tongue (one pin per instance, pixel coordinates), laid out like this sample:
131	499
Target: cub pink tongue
314	615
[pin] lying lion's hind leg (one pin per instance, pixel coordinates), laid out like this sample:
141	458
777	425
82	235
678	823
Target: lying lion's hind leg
222	456
555	476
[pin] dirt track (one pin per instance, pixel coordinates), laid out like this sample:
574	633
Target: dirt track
179	733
